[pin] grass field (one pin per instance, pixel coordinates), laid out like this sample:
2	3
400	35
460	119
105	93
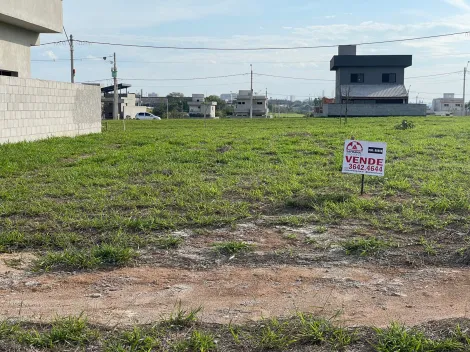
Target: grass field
101	201
176	174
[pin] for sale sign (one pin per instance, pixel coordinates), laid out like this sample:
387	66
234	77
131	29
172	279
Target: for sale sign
364	158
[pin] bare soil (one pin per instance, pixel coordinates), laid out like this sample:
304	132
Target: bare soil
284	275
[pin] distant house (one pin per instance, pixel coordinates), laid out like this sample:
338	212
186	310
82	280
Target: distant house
127	103
198	107
371	85
448	105
242	104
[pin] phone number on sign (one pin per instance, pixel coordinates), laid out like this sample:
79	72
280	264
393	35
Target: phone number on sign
361	167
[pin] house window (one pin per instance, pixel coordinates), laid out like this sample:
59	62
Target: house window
8	73
260	103
239	103
389	78
357	78
446	105
243	103
458	105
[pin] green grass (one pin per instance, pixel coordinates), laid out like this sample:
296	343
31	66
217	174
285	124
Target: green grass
71	331
430	246
62	194
399	338
181	317
232	247
365	246
304	332
105	255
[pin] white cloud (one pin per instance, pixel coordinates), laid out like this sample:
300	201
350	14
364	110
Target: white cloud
330	16
461	4
50	54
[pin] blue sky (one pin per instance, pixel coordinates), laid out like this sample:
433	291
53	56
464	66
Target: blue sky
260	23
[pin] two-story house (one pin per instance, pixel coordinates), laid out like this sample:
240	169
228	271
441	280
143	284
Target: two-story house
371	85
198	107
242	104
448	105
21	23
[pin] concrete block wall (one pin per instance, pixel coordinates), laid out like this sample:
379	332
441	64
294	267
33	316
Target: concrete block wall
35	109
365	110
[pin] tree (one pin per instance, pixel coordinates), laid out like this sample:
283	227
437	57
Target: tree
175	95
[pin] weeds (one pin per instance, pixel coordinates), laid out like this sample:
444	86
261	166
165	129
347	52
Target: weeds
169	242
429	246
232	247
273	336
136	340
71	331
405	125
399	338
181	318
303	332
365	246
199	342
97	257
314	331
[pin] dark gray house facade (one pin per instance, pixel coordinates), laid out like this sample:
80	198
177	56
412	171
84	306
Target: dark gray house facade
371	85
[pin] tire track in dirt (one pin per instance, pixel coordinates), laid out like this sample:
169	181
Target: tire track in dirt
365	295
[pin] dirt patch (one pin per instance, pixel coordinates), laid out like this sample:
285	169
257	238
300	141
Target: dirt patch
366	295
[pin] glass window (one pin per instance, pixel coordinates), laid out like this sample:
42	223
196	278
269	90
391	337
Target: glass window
389	78
357	78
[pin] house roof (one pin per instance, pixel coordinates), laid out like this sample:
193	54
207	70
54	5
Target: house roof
374	91
339	61
110	89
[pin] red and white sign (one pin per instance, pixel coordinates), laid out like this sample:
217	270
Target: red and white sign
364	158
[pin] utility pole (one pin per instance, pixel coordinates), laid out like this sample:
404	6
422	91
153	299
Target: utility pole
464	109
167	109
251	103
72	66
267	103
116	95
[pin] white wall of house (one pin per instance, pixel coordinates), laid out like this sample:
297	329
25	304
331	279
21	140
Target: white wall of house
15	49
21	22
35	109
41	16
448	104
242	104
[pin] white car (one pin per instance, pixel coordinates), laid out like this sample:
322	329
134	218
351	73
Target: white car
146	116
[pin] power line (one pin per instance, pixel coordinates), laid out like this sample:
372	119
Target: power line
173	79
269	48
435	75
188	62
51	43
296	78
99	59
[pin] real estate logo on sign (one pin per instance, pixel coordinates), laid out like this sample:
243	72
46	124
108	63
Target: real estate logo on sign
364	158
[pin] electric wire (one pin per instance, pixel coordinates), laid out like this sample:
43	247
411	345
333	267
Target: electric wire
270	48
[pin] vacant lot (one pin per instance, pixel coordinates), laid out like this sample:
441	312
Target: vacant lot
249	219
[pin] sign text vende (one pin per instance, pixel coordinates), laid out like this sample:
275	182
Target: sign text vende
364	158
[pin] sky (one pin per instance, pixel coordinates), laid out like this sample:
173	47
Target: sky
248	24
